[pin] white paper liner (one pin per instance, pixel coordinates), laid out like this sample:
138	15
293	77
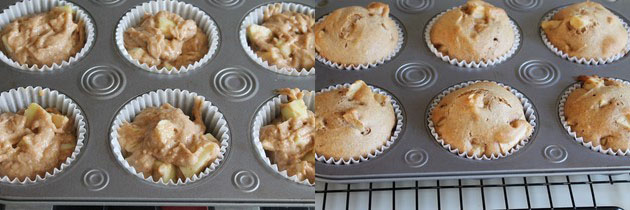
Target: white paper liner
471	64
582	60
256	17
265	115
378	151
573	134
17	99
32	7
341	66
528	110
186	11
184	100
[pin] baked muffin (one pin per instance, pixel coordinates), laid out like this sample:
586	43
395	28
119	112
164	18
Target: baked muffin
284	39
166	40
475	32
166	144
482	119
288	140
34	141
352	122
599	112
586	30
356	35
44	39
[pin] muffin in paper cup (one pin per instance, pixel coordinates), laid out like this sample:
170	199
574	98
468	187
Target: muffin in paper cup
528	110
265	115
32	7
580	60
17	99
256	17
340	66
573	134
181	99
470	64
186	11
395	133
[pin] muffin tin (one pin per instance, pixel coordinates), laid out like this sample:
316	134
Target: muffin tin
103	81
415	76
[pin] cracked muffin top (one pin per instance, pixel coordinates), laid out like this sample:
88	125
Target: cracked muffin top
483	118
476	31
599	111
586	30
356	35
352	122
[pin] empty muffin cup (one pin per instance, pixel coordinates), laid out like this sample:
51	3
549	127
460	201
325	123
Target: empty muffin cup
264	116
528	110
187	11
256	17
31	7
394	136
17	99
182	99
465	63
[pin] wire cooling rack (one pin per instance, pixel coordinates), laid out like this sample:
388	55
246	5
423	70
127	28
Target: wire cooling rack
553	192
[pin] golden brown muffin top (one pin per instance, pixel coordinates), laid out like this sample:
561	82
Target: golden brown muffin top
352	122
357	35
482	119
599	112
586	30
476	31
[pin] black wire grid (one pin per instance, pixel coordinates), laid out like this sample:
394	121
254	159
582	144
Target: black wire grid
547	184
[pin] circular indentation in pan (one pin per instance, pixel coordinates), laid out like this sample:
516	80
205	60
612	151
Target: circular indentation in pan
95	179
555	153
539	73
414	6
416	158
230	4
246	181
108	2
523	5
103	81
237	84
416	75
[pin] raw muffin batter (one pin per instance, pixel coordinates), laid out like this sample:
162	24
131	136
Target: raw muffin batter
352	122
357	35
285	39
289	140
481	119
599	112
166	40
165	143
586	30
34	141
44	39
477	31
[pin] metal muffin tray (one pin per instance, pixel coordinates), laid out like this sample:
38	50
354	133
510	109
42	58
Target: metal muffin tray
104	81
415	76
